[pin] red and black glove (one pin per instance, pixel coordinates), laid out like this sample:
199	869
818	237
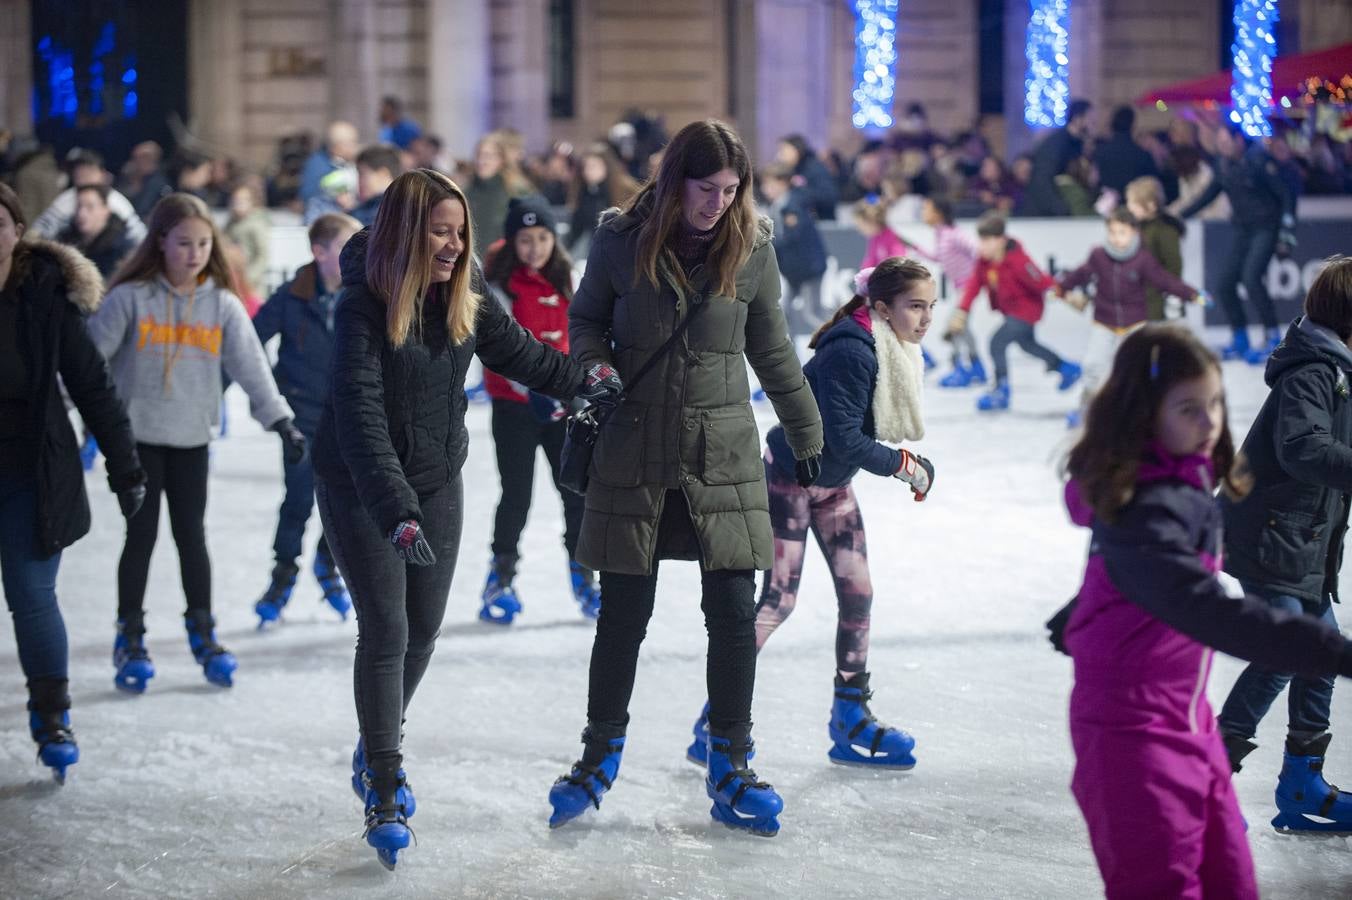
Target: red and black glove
602	386
411	544
916	471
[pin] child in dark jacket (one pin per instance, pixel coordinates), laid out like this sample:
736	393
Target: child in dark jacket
1285	540
1121	270
532	276
1161	236
868	377
302	313
1015	286
1151	774
799	248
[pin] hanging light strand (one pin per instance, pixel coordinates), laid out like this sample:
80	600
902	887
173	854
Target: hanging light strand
875	62
1046	81
1251	54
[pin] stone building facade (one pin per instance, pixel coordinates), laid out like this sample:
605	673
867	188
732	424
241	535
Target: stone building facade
262	68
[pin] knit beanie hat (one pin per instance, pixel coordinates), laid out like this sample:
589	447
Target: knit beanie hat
527	212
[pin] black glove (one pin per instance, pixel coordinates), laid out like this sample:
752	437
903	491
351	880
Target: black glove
1056	626
602	386
807	471
411	544
293	442
130	499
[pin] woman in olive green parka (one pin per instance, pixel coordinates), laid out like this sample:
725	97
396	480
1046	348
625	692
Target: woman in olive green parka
677	471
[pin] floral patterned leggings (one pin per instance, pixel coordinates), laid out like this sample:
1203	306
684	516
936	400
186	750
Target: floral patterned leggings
832	514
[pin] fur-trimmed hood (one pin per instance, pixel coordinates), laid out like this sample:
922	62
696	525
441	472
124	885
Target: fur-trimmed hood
83	283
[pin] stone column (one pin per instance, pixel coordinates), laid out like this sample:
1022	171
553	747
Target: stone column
459	73
355	67
215	75
520	68
16	67
790	42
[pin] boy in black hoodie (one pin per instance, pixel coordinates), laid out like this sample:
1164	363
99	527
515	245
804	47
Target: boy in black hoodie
1284	541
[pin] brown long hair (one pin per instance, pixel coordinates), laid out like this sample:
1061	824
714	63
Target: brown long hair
147	261
503	260
698	150
1121	419
889	280
619	186
399	259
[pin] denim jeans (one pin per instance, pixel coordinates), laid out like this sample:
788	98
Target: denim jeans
399	606
1017	331
30	582
1250	252
296	506
1309	699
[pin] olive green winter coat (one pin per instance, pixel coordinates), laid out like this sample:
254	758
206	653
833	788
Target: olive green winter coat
688	424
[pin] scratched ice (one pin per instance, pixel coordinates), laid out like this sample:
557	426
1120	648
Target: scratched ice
192	791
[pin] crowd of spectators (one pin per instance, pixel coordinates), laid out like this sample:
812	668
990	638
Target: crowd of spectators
1079	169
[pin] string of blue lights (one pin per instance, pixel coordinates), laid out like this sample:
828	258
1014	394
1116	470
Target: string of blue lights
875	62
1046	82
1252	53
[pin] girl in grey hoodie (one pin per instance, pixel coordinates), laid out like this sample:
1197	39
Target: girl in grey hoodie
172	331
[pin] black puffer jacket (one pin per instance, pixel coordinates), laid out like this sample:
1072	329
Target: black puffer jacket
394	421
1288	533
57	288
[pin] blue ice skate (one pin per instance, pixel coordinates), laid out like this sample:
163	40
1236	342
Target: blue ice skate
217	663
56	742
977	371
359	786
331	581
501	605
857	738
274	599
960	377
698	751
1259	355
130	658
591	776
996	400
387	828
89	452
1305	801
929	360
741	800
1070	375
1238	347
585	589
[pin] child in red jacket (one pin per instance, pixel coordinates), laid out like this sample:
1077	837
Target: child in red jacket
531	273
1015	286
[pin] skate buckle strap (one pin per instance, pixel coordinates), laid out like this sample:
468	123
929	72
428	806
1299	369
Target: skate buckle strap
748	779
579	776
1330	800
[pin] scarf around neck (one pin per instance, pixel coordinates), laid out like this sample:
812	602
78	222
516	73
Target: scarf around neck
900	386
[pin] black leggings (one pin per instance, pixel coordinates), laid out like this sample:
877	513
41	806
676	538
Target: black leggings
399	606
729	604
517	432
181	475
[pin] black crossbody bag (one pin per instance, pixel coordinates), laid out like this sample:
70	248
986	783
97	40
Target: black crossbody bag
584	427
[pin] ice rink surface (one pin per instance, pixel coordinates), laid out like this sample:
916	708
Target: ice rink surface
195	791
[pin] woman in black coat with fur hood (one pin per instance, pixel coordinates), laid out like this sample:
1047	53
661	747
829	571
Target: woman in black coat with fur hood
46	290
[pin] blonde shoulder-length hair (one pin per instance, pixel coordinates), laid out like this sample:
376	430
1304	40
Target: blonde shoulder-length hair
399	257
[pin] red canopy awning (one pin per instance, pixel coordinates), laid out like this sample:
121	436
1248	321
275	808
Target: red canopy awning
1288	78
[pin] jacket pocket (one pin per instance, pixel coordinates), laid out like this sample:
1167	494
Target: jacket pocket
617	460
732	452
1290	544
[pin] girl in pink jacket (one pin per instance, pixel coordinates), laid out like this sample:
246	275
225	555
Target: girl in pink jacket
1151	774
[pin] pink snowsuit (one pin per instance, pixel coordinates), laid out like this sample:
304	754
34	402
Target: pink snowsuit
1151	774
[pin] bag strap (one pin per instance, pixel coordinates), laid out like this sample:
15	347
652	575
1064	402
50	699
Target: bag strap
698	301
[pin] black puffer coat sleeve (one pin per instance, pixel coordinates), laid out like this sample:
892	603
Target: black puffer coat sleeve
511	351
1305	445
1149	557
360	423
85	374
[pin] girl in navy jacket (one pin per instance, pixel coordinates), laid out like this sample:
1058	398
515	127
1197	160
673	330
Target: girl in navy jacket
867	376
